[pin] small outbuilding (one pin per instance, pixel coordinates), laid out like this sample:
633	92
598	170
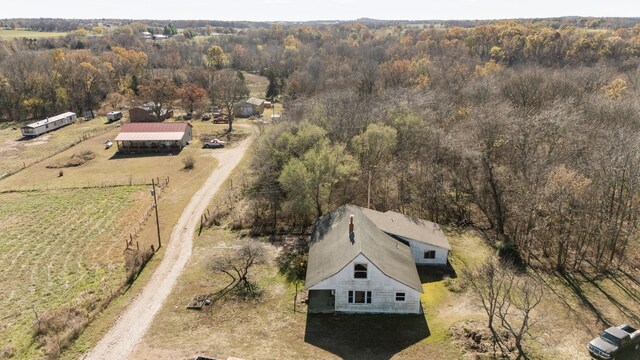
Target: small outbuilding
154	137
249	107
114	116
145	113
49	124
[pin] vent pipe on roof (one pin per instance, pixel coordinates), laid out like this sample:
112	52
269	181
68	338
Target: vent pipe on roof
351	224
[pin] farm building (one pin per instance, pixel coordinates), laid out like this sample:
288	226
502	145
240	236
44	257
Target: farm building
249	107
153	137
49	124
144	113
364	261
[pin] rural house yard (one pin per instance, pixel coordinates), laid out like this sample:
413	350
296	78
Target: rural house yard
270	329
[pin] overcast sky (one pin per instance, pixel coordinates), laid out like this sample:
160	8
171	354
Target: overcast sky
303	10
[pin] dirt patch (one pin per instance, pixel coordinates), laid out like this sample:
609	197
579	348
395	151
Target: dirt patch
74	160
38	141
477	342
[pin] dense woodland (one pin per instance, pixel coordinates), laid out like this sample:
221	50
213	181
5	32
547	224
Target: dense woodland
525	130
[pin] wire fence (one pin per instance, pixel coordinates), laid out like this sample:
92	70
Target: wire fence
106	183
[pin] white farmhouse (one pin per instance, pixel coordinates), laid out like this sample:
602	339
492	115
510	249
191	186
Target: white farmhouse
429	245
49	124
359	262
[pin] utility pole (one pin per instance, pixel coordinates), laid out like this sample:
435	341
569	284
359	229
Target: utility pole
369	191
155	205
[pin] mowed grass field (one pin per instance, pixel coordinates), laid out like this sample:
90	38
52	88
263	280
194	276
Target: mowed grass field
55	245
18	34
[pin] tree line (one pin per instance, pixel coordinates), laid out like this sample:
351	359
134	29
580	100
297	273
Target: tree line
525	130
536	145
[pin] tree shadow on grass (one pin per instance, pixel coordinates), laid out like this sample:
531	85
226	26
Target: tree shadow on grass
630	314
574	285
431	273
365	336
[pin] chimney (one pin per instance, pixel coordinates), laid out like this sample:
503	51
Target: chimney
351	224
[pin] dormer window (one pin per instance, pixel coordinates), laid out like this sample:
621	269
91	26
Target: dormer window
360	271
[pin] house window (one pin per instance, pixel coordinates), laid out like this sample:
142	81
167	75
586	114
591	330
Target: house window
400	296
430	254
360	271
359	297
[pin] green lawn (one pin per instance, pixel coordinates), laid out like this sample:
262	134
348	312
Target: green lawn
16	34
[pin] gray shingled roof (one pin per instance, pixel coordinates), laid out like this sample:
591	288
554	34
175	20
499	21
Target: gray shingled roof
409	227
332	248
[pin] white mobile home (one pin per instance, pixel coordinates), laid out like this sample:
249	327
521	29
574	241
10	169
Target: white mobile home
49	124
114	116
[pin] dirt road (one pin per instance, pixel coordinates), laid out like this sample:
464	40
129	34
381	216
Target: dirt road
121	339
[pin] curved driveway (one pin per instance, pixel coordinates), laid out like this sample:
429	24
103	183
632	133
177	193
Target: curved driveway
120	341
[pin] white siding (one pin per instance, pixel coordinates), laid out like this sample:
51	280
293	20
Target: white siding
418	249
187	136
383	290
50	124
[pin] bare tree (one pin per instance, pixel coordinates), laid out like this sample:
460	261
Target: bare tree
236	265
508	300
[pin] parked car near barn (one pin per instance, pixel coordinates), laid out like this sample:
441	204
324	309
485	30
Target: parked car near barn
218	118
213	144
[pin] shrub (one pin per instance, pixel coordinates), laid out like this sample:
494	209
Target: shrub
55	330
134	262
189	162
74	160
455	285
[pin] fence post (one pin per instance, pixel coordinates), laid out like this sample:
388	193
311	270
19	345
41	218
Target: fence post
295	298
